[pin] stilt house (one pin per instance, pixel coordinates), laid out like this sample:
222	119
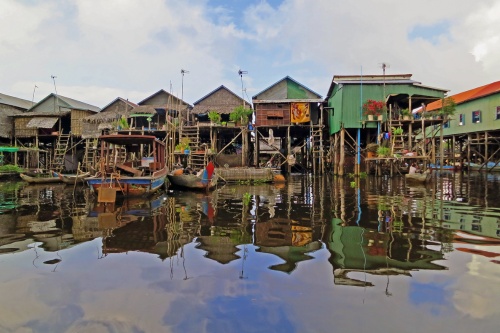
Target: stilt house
289	126
352	131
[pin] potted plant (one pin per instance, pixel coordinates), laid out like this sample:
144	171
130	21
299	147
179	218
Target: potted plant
183	145
397	130
121	123
406	114
383	151
373	108
240	114
214	116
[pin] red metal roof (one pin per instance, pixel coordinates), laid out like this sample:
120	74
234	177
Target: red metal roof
468	95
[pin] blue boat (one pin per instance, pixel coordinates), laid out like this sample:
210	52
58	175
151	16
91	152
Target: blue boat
129	165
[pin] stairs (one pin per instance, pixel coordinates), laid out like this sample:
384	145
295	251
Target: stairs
317	148
398	144
193	134
198	156
91	155
57	163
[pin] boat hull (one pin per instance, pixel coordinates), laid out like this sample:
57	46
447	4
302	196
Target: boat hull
190	182
130	186
40	179
73	179
261	175
418	177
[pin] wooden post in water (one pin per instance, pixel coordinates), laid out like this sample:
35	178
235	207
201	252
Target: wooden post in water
342	153
289	149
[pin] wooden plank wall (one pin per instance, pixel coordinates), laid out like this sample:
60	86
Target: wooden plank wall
272	114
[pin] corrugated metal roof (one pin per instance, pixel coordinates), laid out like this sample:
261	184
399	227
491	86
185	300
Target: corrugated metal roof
376	82
62	102
285	79
468	95
14	101
42	122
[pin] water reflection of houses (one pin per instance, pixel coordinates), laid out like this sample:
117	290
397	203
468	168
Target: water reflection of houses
158	225
287	240
268	215
358	249
40	217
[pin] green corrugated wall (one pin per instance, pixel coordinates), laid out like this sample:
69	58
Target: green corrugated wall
346	101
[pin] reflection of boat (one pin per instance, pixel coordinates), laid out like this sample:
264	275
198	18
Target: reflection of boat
73	178
40	178
141	224
203	180
121	172
438	167
418	177
487	167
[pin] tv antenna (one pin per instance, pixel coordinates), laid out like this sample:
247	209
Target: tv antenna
240	73
33	98
183	71
384	66
57	98
54	80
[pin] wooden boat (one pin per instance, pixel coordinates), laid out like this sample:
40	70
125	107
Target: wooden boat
487	167
203	180
121	172
242	174
78	178
418	177
40	178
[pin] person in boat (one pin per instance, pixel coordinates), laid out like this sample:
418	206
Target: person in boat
413	168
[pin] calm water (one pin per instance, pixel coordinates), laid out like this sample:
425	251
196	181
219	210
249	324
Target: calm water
312	255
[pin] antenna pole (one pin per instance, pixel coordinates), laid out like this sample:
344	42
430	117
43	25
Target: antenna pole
33	98
240	72
57	98
183	71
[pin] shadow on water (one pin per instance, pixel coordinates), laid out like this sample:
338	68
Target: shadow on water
369	228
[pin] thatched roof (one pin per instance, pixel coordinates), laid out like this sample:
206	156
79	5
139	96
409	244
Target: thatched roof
113	111
42	122
7	121
94	124
221	100
164	99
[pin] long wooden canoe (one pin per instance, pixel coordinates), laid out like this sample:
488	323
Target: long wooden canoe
41	178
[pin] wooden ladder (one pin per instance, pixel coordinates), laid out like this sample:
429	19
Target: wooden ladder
398	144
317	148
60	150
91	154
196	159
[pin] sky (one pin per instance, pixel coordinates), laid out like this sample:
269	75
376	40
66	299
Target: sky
95	51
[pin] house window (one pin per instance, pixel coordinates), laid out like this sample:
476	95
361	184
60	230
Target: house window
476	116
461	120
498	112
446	124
